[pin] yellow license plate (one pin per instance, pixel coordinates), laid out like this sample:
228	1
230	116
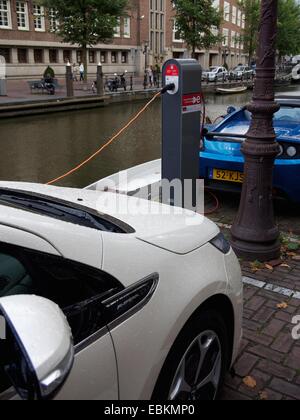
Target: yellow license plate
228	176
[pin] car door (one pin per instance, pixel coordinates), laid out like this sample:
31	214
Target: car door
77	289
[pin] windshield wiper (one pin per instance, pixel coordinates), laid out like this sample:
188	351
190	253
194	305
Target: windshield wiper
56	210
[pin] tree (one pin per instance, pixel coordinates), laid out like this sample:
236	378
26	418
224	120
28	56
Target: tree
86	22
195	23
251	10
288	39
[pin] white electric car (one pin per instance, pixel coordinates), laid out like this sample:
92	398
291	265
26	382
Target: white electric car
153	299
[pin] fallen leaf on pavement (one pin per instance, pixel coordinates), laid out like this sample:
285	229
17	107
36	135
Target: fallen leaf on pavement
285	266
250	382
296	257
282	305
269	267
263	396
275	263
291	254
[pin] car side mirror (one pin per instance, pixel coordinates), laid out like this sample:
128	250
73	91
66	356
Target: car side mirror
36	346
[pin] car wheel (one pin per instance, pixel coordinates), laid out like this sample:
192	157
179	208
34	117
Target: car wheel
196	366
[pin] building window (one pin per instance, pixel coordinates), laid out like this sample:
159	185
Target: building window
118	29
39	18
114	57
225	37
233	39
103	57
176	34
157	27
216	4
226	11
5	14
5	52
124	57
53	56
234	15
92	56
127	27
239	18
53	21
38	55
79	56
22	55
67	56
22	15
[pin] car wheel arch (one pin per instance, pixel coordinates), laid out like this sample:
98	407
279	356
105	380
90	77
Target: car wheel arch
219	303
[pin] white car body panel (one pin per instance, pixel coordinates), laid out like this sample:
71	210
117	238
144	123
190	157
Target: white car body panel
94	374
175	246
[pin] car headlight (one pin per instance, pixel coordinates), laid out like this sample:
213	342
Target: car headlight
221	243
291	151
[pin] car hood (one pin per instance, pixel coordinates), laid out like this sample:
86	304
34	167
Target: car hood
170	228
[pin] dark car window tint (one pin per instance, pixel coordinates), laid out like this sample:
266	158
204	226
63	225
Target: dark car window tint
75	287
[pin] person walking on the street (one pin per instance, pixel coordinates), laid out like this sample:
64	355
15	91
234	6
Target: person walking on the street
150	75
75	73
81	71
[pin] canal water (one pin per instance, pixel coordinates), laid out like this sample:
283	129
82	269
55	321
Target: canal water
40	148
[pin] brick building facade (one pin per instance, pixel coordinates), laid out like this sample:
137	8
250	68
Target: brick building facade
146	37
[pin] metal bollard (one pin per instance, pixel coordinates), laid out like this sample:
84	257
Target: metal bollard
69	81
100	85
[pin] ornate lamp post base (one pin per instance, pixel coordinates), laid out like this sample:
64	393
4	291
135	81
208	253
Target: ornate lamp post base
256	251
255	235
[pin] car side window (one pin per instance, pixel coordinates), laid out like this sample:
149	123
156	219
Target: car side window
76	288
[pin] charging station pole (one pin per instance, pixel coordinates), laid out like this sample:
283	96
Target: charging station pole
181	117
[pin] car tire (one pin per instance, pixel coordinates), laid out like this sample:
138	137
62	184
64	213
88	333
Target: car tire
208	324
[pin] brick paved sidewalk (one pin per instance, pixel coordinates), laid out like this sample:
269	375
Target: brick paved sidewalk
268	354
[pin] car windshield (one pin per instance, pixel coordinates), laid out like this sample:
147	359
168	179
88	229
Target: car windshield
239	68
286	114
213	69
290	114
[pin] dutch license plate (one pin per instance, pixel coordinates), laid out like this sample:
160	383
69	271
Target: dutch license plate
228	176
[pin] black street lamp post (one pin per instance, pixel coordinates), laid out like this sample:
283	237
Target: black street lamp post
255	235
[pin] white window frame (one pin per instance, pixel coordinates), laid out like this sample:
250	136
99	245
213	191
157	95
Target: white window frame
226	11
234	15
117	33
53	22
216	4
225	41
233	39
239	18
24	14
39	18
127	27
175	32
8	11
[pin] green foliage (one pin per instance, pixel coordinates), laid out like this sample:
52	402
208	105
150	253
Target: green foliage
251	9
288	40
87	22
194	22
49	72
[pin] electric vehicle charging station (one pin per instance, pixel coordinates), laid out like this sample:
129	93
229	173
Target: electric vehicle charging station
181	117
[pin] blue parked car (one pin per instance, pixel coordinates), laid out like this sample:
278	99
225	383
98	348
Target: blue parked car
222	163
